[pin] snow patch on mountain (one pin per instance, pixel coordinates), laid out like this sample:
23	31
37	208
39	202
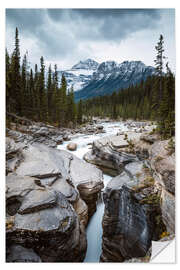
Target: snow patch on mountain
89	72
80	74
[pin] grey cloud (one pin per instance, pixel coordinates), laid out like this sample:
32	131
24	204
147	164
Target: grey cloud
103	24
30	20
60	32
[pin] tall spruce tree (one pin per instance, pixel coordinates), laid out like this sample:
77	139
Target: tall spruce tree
16	77
62	102
42	92
166	124
8	83
24	88
158	87
55	96
31	95
49	92
79	112
36	94
71	110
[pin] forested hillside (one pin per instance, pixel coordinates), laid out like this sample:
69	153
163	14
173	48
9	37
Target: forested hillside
153	99
29	94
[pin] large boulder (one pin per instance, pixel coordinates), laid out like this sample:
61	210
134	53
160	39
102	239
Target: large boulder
62	171
72	146
13	154
43	220
160	157
112	152
132	216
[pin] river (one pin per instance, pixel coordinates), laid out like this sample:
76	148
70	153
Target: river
94	228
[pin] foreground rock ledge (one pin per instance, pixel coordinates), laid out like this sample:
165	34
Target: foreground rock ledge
49	226
47	196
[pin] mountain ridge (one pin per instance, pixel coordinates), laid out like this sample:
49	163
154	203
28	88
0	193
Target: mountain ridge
90	78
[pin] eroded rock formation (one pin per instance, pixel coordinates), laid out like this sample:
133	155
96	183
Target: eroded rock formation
50	196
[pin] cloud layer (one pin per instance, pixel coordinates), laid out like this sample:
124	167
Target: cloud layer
69	35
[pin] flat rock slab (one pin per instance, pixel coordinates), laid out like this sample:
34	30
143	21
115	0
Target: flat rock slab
117	182
37	200
82	172
19	186
61	218
70	192
41	161
118	142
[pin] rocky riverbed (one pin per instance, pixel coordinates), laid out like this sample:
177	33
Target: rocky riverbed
52	194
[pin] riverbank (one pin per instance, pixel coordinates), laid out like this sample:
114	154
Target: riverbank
75	182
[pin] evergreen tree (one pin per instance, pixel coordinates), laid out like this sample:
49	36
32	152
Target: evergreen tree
62	102
24	89
79	112
55	96
31	95
50	92
8	83
42	93
159	63
71	109
114	106
36	109
166	125
16	77
157	88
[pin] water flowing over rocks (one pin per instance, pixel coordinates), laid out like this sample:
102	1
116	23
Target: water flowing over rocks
29	132
51	194
40	133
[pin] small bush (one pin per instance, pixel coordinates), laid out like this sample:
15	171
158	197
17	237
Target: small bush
164	234
158	158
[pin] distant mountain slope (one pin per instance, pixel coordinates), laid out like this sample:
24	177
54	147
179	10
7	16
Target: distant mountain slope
111	76
80	74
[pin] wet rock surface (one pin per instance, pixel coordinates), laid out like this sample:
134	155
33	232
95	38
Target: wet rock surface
130	219
111	152
139	202
162	160
51	194
72	146
40	133
17	253
46	209
53	233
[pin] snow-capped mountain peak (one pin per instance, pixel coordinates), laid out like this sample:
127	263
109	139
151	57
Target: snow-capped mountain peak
87	64
89	74
80	74
111	76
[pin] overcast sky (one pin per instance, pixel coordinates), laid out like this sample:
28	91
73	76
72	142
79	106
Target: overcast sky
66	36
